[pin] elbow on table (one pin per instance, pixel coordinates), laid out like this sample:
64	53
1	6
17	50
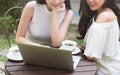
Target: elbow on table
18	40
90	58
56	44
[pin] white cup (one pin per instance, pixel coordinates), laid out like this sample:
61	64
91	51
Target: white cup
68	45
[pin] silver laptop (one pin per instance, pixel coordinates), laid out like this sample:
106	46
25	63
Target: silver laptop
49	57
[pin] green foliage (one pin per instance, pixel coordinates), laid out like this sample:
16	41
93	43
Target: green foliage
4	43
72	35
79	42
6	4
9	22
3	58
72	28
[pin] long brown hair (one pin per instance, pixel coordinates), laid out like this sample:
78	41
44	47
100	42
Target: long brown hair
86	15
67	3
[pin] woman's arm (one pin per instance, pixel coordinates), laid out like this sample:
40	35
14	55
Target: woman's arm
82	48
90	58
24	23
58	33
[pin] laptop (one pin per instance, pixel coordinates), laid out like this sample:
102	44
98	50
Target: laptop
48	57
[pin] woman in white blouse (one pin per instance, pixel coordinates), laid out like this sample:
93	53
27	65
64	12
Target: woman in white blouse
44	22
99	26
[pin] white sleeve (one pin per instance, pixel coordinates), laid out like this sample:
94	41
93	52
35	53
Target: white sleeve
95	40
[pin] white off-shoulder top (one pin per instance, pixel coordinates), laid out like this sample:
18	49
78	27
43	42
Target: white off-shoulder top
102	43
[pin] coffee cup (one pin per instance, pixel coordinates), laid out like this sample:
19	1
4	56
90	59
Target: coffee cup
68	45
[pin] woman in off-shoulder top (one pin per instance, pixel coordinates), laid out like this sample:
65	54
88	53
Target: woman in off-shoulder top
44	22
99	26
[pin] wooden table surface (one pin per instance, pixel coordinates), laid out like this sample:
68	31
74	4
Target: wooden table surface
84	67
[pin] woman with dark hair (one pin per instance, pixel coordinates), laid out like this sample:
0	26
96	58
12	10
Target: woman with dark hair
44	22
99	26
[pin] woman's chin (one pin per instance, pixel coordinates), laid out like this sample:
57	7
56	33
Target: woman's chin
93	9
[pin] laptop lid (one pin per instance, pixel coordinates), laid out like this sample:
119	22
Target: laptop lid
48	57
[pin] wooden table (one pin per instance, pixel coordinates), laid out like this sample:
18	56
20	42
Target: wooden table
84	67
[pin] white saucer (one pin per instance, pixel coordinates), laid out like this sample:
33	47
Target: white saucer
76	50
14	54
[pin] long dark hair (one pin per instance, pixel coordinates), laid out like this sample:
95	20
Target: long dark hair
67	3
86	15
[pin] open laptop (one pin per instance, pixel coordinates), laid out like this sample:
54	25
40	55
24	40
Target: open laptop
49	57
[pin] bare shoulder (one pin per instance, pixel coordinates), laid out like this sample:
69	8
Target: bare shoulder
30	5
106	16
29	9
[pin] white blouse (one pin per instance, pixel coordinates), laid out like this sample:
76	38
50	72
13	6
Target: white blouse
102	43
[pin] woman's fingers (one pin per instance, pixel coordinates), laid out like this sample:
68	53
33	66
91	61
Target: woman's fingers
82	48
62	8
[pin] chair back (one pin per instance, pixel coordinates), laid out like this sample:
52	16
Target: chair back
5	23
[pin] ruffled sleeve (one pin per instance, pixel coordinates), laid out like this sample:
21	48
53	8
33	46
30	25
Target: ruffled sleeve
95	40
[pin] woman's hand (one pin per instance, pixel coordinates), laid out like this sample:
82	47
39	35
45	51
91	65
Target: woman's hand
82	48
60	9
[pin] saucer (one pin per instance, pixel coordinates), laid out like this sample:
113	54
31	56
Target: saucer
14	54
76	50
